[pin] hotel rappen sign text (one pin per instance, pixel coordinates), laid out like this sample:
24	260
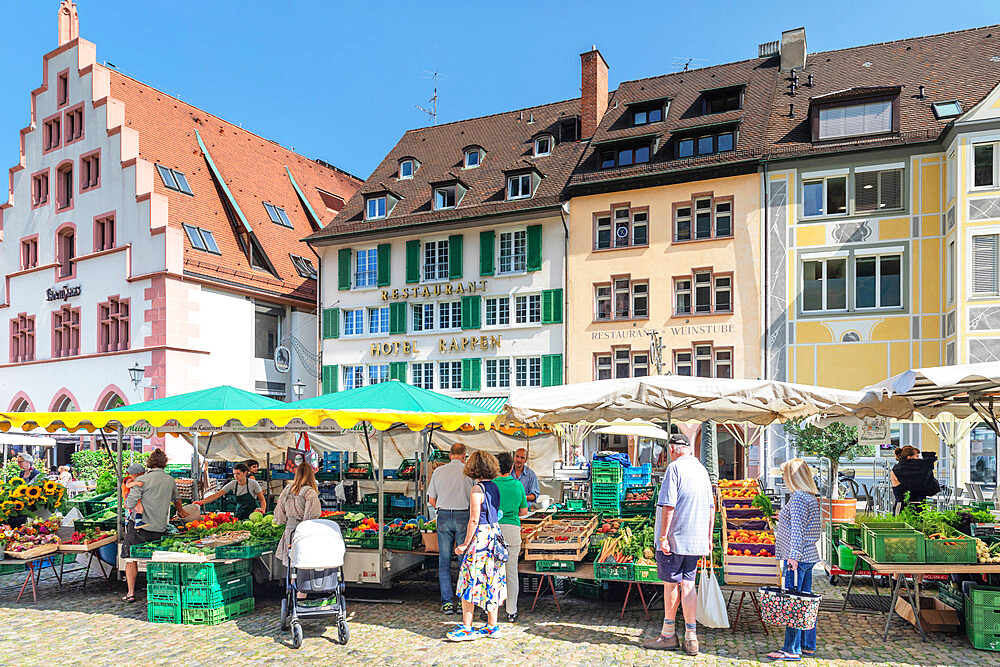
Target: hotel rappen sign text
444	345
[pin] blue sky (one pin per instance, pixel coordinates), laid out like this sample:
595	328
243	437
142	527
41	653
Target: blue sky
340	81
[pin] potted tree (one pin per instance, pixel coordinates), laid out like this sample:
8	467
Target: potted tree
833	443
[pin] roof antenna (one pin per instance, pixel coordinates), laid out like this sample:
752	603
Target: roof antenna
433	111
683	63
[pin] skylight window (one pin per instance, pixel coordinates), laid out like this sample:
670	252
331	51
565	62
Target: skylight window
201	239
947	109
277	215
303	266
174	180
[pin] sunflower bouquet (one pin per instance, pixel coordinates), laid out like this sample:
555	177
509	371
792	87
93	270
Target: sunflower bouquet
20	499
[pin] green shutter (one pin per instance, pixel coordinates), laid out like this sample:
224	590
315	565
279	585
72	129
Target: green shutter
472	372
552	370
331	323
534	247
455	257
471	312
344	268
486	240
552	306
397	370
413	261
383	264
330	378
397	317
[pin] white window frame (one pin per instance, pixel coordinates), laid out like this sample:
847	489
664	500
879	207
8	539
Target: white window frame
885	104
992	230
877	255
368	276
824	258
478	152
532	309
447	375
377	373
951	176
356	373
514	262
683	359
530	369
378	320
603	365
424	313
609	226
422	374
375	200
996	166
498	373
680	290
441	266
523	186
545	137
603	295
950	272
825	178
442	191
413	170
499	308
357	322
850	257
449	315
717	289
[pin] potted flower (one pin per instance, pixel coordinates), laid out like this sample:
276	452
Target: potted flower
428	533
833	443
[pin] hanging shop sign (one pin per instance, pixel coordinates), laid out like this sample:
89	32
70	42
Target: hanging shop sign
63	293
458	344
437	289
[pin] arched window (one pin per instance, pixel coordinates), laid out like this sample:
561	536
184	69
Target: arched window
64	186
21	405
65	404
111	401
66	251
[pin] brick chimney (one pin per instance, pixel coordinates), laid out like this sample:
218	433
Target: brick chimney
793	50
69	22
594	91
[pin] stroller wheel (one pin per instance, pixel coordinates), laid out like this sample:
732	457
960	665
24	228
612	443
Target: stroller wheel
296	634
343	634
284	613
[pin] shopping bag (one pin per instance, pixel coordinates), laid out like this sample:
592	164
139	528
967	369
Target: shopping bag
712	612
788	607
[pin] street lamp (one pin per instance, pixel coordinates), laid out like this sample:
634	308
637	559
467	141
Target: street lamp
298	388
136	373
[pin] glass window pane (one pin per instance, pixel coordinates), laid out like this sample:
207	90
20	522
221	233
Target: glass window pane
890	281
864	282
866	191
624	157
642	154
812	198
836	283
640	118
725	142
706	145
685	148
182	182
890	189
983	165
812	286
703	225
167	176
209	241
607	159
836	195
655	115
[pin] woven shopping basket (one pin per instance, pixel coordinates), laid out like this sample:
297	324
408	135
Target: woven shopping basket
788	607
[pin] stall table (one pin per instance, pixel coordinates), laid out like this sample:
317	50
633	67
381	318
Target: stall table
902	570
34	567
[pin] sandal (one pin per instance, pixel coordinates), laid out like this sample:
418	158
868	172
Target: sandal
129	599
783	656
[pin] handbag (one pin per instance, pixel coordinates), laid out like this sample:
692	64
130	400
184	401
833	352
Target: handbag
789	607
712	611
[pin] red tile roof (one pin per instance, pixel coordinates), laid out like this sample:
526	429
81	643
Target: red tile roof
254	170
508	141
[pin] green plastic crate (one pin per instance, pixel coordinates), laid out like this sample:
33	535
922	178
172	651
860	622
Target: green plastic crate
952	550
986	596
208	596
95	503
555	566
245	550
403	466
163	612
592	590
11	568
611	475
614	571
163	593
646	573
367	474
213	573
576	504
897	546
401	542
168	573
980	637
219	614
951	596
850	534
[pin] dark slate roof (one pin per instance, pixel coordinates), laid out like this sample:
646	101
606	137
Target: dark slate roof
684	89
963	65
508	141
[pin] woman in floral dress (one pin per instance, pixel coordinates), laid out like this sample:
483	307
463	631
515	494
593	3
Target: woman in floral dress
482	579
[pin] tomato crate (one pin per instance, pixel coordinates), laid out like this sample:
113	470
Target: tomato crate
952	550
207	596
639	507
166	573
369	541
646	573
163	612
898	546
986	596
245	550
614	571
555	566
407	470
213	573
142	550
163	593
217	614
401	542
358	471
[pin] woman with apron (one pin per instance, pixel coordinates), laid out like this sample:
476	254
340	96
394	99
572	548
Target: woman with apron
249	495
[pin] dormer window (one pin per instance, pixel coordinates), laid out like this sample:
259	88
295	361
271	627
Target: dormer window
721	100
647	111
543	145
473	157
375	208
855	119
706	142
624	156
445	197
519	186
647	116
406	169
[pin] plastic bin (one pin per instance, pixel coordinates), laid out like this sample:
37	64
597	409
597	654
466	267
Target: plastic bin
638	475
555	566
219	614
846	557
208	596
614	571
163	612
952	550
213	573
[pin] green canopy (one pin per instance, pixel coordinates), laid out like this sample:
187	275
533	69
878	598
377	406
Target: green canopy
216	398
392	396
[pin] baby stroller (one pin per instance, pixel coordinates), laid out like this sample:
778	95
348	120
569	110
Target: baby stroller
316	556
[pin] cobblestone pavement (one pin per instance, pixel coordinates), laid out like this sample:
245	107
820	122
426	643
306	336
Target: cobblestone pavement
69	626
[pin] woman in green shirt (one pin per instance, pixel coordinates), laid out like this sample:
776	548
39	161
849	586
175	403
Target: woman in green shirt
513	505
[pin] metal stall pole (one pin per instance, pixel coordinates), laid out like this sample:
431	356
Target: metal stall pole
381	494
195	473
118	490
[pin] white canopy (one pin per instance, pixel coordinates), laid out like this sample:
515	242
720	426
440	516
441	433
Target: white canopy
15	438
681	398
639	429
961	391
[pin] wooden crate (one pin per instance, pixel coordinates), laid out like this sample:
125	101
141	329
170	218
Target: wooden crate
752	570
544	546
558	551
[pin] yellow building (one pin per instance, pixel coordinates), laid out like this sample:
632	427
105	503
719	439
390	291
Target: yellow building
883	218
